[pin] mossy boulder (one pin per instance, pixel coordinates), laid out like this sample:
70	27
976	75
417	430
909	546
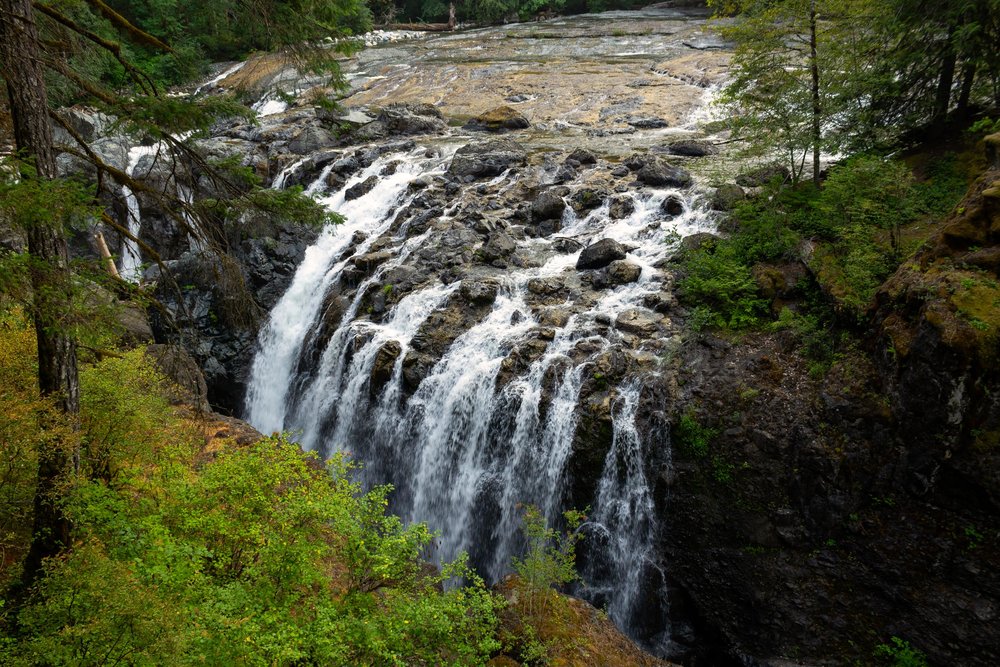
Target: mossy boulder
501	119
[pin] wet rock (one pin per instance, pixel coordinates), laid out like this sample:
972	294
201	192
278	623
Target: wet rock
622	272
658	173
372	260
499	245
310	140
648	123
621	207
727	196
566	245
672	206
660	302
520	359
587	199
547	206
487	159
692	148
382	368
553	317
582	156
403	119
636	161
479	291
346	165
699	241
764	175
361	189
499	120
620	171
638	321
600	254
546	286
88	123
188	383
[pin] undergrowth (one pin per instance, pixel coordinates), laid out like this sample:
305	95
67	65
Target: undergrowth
256	555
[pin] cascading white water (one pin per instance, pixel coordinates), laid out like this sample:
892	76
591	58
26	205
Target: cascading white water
295	314
461	452
130	267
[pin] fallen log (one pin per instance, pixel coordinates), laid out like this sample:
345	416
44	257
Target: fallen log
426	27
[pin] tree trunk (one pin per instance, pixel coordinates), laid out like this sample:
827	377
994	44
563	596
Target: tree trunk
968	77
51	279
816	107
946	80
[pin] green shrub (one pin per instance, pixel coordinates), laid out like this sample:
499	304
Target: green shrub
899	653
691	437
721	287
551	556
254	555
260	557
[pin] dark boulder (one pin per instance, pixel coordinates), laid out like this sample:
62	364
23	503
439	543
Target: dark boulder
402	120
500	119
479	292
672	206
648	123
699	241
764	175
547	206
586	199
621	207
727	196
487	159
600	254
692	148
621	272
310	140
382	368
660	174
360	189
499	245
582	156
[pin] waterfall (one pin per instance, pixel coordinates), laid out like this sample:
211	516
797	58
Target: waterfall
295	314
464	450
130	267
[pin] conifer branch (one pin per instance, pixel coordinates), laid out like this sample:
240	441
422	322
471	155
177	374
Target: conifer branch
139	35
113	48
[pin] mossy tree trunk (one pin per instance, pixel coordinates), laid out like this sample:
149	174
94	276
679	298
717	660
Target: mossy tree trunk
51	278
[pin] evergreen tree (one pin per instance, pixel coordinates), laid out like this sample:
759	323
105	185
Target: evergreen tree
55	45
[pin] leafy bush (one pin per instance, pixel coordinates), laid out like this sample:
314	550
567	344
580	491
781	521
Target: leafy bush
899	653
262	556
691	437
721	286
253	555
551	556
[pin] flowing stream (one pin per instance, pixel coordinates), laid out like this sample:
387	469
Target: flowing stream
474	441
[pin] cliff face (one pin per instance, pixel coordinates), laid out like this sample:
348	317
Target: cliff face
832	513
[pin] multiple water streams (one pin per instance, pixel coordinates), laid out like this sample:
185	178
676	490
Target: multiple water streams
464	449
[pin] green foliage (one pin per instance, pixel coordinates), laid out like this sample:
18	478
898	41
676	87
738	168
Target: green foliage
260	557
899	653
985	125
122	412
856	221
942	188
203	32
248	555
692	437
551	556
722	287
